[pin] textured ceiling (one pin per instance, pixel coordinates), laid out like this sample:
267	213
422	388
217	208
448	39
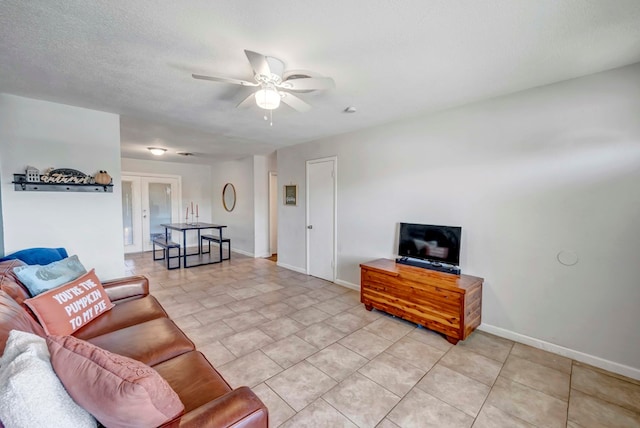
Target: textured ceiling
389	59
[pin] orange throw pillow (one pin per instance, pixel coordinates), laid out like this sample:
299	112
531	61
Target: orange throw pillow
118	391
67	308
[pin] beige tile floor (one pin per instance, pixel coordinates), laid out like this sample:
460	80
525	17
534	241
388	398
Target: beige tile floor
317	358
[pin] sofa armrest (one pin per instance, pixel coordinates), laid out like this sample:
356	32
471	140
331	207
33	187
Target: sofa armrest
129	288
239	408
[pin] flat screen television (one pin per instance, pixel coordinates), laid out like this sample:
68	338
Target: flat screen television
430	242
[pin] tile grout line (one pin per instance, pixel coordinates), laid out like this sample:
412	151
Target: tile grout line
491	389
414	386
242	272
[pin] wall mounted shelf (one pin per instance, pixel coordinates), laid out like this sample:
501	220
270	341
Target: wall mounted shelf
21	184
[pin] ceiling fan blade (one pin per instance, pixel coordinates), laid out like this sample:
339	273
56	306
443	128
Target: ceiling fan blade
258	63
247	102
295	102
224	80
308	83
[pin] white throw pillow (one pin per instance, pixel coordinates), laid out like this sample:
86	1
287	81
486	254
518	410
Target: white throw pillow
32	395
39	279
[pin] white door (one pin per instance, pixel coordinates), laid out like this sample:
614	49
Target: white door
273	213
321	218
147	202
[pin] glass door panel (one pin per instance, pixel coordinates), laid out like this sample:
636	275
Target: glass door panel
159	208
127	212
160	205
131	214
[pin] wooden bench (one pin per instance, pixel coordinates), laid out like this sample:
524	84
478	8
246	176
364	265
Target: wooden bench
166	247
216	239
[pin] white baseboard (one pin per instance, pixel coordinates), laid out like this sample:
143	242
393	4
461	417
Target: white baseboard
235	250
293	268
347	284
611	366
245	253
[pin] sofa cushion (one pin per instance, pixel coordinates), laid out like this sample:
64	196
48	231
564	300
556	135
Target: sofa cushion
9	283
123	315
38	256
66	309
123	289
38	278
193	378
32	395
118	391
15	317
133	342
238	408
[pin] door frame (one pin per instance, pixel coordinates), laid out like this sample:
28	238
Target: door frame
273	212
136	214
141	175
334	260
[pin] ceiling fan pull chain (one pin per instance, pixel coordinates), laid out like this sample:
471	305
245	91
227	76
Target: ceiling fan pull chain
271	115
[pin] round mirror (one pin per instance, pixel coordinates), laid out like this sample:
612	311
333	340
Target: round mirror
229	197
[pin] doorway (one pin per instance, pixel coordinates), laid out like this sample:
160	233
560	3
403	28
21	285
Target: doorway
273	214
321	217
147	202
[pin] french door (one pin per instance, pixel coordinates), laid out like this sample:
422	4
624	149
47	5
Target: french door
147	202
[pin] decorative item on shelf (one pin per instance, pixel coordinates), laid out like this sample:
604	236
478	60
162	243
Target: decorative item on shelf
32	174
102	177
290	194
66	176
62	180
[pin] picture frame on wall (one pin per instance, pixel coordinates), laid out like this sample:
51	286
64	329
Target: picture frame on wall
290	194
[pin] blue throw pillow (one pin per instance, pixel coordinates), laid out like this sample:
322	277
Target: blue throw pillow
39	279
38	256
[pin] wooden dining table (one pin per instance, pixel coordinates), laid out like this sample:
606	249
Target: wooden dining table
199	257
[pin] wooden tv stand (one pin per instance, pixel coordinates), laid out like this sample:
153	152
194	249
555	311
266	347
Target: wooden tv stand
443	302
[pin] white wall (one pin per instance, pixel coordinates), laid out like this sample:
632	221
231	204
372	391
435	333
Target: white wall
526	176
292	219
44	134
261	167
248	223
240	222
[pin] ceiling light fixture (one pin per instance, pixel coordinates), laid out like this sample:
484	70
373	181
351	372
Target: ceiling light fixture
268	98
157	151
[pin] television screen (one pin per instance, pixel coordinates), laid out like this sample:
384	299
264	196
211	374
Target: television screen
430	242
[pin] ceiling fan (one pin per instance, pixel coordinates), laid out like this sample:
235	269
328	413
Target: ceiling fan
275	85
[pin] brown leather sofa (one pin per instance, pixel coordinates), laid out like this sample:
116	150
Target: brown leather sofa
139	328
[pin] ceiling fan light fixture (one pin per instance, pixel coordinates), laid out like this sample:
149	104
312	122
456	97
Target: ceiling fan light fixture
268	98
157	151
